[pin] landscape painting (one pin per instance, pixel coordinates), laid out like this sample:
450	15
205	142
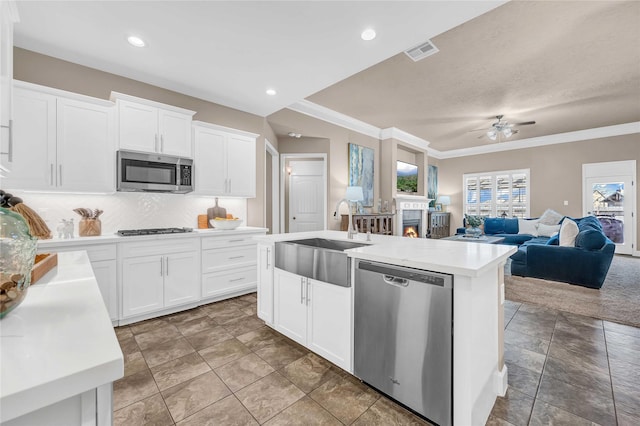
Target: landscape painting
432	185
361	171
407	178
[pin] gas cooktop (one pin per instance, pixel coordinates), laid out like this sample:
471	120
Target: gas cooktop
152	231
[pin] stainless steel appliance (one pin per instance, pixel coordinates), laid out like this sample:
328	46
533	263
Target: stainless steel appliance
403	335
139	171
152	231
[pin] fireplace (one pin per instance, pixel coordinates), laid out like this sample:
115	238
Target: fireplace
412	223
411	216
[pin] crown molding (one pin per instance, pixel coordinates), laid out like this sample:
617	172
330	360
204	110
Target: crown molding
325	114
577	136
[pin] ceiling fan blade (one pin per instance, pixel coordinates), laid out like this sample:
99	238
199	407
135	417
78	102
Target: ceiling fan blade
482	136
524	123
478	130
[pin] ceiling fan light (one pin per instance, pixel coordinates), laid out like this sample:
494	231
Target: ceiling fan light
507	132
492	134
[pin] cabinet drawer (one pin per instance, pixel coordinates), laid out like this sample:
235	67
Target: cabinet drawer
227	282
96	252
228	241
215	259
159	247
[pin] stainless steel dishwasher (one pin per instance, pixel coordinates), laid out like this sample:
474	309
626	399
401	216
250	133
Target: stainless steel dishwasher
403	335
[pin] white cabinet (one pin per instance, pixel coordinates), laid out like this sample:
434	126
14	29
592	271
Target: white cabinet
314	314
159	274
8	15
61	144
265	282
228	266
225	161
149	126
103	262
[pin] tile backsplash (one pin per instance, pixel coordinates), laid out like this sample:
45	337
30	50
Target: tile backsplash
130	210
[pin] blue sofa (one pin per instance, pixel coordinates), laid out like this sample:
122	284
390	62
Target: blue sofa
586	264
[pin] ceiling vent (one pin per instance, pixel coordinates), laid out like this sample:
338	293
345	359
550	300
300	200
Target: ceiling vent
422	51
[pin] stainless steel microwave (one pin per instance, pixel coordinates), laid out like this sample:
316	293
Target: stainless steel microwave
143	172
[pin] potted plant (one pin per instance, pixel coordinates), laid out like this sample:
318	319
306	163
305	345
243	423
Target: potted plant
474	222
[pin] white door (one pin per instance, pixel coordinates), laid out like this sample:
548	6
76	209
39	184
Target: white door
181	279
329	322
34	142
210	161
105	272
306	196
86	148
265	282
290	307
175	133
142	285
138	127
609	194
241	166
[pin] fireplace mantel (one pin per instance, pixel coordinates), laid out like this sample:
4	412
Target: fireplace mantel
411	202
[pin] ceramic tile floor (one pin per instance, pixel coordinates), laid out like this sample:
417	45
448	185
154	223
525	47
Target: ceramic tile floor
218	364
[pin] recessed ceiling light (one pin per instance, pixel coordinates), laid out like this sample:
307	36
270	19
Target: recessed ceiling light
271	92
136	41
368	34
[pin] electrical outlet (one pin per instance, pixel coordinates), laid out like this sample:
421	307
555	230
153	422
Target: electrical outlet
566	203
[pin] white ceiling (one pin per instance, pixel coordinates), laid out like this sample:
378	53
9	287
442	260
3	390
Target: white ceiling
230	52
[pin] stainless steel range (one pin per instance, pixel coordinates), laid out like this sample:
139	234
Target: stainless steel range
152	231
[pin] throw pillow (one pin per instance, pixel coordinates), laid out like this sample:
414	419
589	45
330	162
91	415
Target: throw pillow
568	232
529	227
550	217
590	239
548	230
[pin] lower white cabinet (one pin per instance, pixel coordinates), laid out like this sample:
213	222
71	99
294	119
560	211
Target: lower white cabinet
315	314
104	264
159	274
265	282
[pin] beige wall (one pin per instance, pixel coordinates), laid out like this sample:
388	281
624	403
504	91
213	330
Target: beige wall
556	172
338	140
52	72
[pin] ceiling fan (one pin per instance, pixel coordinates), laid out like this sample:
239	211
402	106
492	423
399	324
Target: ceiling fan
502	128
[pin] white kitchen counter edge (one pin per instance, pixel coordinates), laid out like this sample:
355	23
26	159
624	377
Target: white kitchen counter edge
59	342
113	238
452	257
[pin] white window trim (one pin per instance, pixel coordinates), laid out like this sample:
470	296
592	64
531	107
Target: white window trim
494	189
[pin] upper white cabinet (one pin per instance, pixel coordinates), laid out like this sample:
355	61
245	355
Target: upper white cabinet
225	161
150	126
59	143
8	15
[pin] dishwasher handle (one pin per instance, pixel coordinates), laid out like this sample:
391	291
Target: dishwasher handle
398	282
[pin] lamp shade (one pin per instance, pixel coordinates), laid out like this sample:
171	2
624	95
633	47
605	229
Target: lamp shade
354	193
445	200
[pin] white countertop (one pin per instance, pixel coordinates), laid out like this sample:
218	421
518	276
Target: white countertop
59	342
452	257
114	238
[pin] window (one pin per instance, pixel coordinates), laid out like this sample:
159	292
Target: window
497	193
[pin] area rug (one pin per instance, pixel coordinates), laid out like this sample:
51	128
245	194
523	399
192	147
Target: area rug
618	300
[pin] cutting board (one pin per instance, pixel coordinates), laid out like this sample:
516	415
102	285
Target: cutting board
216	211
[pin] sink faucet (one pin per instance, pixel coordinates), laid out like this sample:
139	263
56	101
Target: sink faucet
350	229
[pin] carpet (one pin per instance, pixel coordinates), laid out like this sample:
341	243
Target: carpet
618	300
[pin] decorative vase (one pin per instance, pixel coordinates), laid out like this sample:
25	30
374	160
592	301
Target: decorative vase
474	232
17	254
89	228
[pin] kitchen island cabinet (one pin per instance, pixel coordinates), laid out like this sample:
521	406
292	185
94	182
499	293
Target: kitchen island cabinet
59	351
479	372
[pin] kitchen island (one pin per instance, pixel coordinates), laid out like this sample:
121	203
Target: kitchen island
59	353
326	311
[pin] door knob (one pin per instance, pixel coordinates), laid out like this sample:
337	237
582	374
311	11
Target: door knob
294	218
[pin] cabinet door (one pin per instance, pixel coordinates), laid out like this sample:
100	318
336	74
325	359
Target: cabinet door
138	127
6	83
34	142
329	322
85	147
175	133
265	282
241	166
105	272
142	285
209	161
290	309
181	278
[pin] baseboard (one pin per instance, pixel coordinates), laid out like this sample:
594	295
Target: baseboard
500	381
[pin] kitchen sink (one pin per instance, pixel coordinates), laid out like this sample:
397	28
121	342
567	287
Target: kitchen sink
317	258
